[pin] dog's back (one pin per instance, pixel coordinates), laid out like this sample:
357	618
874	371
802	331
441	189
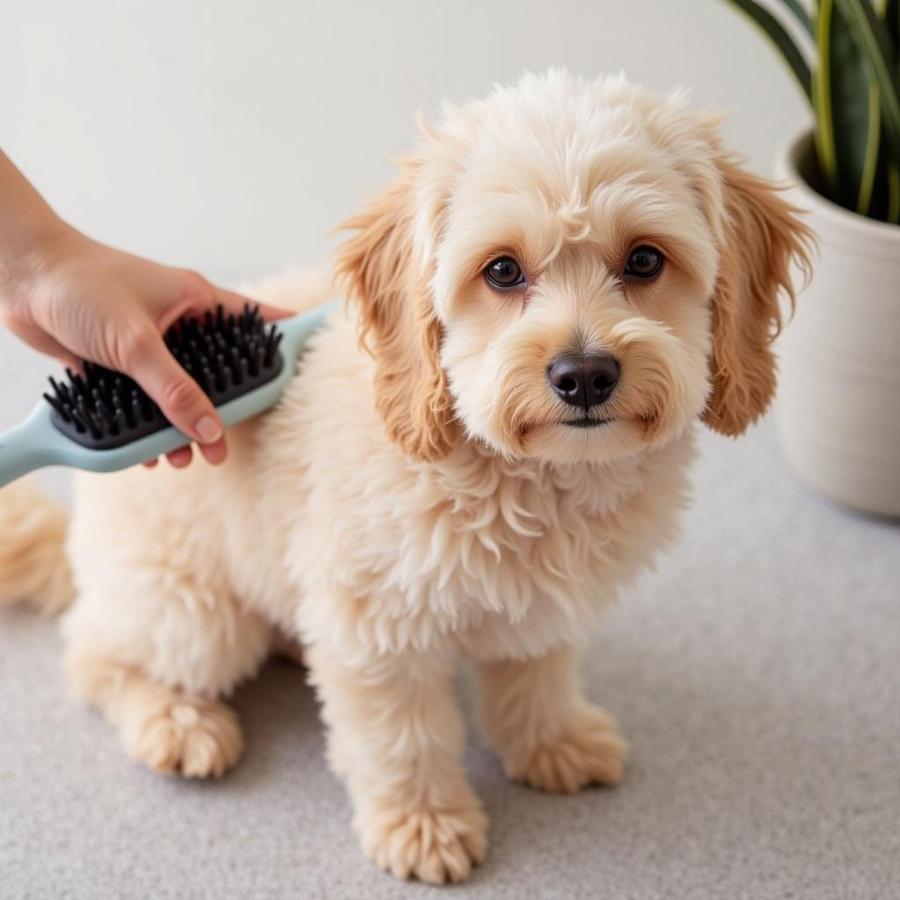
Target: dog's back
33	565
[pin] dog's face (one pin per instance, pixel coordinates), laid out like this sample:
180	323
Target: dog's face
570	271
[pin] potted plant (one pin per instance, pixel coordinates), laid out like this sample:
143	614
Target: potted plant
839	403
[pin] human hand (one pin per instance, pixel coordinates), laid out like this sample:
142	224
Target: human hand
77	298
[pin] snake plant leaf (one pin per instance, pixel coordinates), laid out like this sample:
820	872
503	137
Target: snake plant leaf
891	16
800	14
776	32
884	202
854	90
848	112
869	176
874	43
891	184
822	101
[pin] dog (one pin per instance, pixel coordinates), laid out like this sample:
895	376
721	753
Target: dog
478	452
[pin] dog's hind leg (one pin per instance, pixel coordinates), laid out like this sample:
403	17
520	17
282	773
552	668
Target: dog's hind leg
156	665
166	728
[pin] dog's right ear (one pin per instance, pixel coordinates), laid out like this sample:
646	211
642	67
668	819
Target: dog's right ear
384	272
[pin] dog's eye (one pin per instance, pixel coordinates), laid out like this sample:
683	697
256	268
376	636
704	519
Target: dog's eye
644	262
504	273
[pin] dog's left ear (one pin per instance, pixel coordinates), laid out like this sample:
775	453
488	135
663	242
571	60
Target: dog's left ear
386	273
761	236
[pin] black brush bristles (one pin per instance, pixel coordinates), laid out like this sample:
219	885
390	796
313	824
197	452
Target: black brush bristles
227	355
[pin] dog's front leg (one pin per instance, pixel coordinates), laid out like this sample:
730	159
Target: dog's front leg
396	736
546	732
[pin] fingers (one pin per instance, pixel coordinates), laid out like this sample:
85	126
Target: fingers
148	361
214	453
39	340
197	295
234	303
180	458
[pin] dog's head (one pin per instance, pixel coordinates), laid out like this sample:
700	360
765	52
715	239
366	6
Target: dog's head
570	271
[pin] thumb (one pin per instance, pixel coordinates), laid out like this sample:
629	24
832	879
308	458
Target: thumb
180	398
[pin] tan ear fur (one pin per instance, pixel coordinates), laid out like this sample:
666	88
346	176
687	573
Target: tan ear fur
380	271
763	236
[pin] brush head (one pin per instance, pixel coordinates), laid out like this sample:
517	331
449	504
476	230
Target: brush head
227	355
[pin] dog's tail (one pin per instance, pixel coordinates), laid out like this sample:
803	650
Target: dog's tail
33	564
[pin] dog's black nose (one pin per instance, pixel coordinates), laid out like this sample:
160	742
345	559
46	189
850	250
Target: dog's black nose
584	380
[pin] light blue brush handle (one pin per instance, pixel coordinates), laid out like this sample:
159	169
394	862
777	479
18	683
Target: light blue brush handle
36	442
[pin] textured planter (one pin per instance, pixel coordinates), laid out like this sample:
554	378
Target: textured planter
839	387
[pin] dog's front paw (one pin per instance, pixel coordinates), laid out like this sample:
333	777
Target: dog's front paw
199	738
589	750
436	846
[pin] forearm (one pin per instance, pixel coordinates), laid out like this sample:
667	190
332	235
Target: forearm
28	227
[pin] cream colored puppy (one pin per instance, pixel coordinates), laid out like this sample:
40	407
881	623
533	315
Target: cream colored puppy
474	457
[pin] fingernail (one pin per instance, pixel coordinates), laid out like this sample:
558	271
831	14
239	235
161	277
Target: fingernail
208	429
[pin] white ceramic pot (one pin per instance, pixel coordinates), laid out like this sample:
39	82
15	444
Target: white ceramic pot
839	384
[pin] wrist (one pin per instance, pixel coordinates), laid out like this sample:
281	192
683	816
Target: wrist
29	233
32	250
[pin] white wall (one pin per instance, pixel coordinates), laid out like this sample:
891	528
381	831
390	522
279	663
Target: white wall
231	135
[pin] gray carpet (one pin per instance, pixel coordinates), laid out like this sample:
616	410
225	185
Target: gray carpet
756	674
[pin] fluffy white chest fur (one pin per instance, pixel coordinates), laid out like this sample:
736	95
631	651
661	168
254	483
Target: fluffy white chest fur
474	553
